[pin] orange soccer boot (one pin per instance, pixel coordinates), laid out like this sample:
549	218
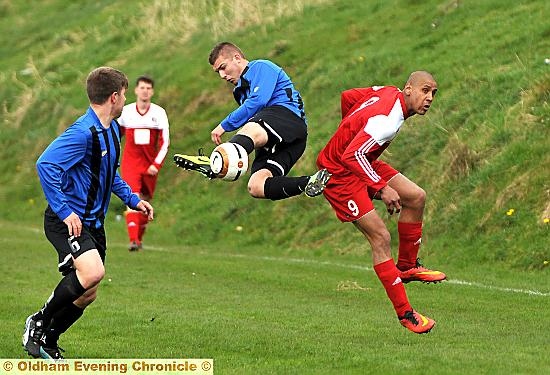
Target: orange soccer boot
421	273
416	322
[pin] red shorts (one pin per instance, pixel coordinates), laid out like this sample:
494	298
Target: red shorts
349	195
140	181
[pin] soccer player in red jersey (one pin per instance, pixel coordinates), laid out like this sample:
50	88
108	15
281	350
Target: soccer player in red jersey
146	129
371	118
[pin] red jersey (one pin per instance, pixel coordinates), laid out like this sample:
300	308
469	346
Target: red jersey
371	118
147	137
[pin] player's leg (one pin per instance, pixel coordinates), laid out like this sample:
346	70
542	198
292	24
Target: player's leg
285	144
269	131
373	228
81	254
350	200
269	180
148	186
133	177
409	227
89	272
133	221
64	319
67	316
250	136
410	219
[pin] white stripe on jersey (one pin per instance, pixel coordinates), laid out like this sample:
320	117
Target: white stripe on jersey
164	147
361	157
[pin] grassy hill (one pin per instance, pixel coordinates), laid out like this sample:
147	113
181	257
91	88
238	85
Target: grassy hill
481	150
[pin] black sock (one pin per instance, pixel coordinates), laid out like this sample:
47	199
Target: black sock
281	187
67	291
243	140
61	322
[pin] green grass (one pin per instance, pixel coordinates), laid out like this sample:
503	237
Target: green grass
265	300
261	312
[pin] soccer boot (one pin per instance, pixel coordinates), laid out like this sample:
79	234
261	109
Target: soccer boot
416	322
32	336
317	183
51	353
199	163
134	246
421	273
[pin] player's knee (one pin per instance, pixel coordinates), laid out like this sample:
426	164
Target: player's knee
91	277
255	189
418	199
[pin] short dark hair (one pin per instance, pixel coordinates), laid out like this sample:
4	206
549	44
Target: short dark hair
102	82
145	78
223	48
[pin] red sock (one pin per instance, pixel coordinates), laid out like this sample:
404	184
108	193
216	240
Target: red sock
132	223
142	225
410	237
388	275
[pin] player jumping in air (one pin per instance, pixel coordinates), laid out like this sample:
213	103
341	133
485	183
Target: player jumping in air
270	119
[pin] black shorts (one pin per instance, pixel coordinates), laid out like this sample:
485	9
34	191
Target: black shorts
69	248
287	136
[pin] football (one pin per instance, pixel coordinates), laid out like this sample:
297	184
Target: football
229	161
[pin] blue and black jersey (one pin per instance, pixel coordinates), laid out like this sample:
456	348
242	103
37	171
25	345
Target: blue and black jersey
262	84
78	171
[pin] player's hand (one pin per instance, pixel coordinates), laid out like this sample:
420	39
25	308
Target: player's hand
391	199
146	208
74	225
216	134
152	170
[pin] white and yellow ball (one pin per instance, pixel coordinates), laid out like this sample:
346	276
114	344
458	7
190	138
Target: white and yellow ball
229	161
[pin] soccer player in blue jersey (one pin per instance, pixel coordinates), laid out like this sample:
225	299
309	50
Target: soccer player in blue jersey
270	119
78	172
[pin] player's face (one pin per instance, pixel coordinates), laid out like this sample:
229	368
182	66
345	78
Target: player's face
229	67
144	91
421	96
119	100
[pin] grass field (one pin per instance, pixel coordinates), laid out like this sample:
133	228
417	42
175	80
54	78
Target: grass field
257	311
